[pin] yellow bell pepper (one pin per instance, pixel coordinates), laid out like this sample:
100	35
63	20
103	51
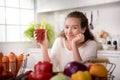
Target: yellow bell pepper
81	75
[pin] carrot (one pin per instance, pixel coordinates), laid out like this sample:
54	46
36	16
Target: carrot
12	63
5	62
1	55
19	61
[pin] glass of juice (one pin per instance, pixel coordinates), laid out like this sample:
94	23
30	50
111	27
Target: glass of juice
39	34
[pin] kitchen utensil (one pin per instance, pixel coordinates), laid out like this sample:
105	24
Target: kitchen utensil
91	22
97	16
85	14
24	64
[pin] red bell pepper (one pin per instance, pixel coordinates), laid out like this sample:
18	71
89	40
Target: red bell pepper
42	71
43	67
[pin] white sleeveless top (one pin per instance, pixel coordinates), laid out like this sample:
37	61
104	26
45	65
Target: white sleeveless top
60	55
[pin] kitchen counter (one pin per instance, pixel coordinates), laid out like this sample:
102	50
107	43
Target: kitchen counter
109	51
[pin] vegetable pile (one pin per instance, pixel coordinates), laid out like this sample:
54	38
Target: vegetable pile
10	65
72	71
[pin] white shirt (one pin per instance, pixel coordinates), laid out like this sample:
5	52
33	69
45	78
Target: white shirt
60	55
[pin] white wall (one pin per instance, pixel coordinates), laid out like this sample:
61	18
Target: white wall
106	17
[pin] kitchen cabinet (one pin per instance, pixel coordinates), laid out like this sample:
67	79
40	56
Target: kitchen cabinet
54	5
114	57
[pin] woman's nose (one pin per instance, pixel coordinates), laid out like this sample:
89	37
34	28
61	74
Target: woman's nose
69	31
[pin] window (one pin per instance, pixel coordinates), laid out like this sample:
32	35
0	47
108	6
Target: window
2	33
12	33
12	3
15	16
1	2
2	15
12	16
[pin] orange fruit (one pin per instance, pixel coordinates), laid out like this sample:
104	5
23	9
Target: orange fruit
98	70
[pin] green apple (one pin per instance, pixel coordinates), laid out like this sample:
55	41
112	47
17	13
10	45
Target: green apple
60	76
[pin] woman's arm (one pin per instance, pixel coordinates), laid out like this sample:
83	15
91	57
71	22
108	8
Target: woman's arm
77	42
45	55
43	44
76	54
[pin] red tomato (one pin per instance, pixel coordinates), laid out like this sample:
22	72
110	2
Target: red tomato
43	67
40	34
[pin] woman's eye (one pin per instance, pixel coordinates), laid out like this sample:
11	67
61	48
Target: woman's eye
66	27
75	28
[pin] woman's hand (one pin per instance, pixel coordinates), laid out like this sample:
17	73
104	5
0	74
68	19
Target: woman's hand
80	38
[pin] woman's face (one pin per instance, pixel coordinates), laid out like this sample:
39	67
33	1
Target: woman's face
72	28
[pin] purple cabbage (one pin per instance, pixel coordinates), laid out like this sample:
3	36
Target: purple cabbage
73	67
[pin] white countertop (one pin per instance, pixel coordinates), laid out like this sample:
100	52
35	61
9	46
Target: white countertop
109	51
99	51
38	50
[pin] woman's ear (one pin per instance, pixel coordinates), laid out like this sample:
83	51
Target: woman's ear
83	30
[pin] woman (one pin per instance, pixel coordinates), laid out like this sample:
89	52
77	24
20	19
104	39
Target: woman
74	43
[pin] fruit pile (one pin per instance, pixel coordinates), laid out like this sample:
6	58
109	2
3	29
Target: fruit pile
72	71
9	65
80	71
103	34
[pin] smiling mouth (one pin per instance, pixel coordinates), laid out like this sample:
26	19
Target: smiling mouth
70	36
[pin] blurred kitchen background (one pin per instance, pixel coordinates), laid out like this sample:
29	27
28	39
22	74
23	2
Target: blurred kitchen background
16	15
